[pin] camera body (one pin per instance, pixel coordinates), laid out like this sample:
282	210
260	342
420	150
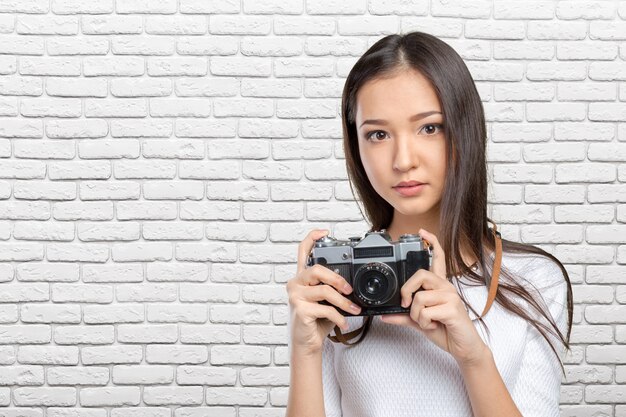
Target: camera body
374	266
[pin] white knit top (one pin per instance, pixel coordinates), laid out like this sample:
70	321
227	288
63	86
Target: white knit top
397	372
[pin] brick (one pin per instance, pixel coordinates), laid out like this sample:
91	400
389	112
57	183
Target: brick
592	334
511	173
560	194
593	294
606	193
212	251
176	354
592	254
242	355
65	375
205	375
586	410
47	25
606	314
236	396
485	29
367	25
605	394
556	30
212	7
48	355
273	7
147	6
173	395
552	234
142	374
591	10
336	7
308	25
111	25
239	25
109	396
583	91
589	172
101	355
605	234
44	396
596	213
588	374
22	375
573	131
535	10
151	333
176	25
70	335
558	71
554	152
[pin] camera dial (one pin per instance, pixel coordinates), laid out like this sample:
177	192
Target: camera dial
410	237
325	241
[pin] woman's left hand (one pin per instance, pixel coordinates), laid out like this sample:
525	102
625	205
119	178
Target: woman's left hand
438	311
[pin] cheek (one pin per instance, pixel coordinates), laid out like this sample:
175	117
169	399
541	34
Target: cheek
441	171
374	166
435	168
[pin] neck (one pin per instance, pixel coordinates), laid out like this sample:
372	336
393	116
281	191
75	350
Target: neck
401	224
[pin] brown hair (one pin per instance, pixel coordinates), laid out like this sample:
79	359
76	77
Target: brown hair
463	214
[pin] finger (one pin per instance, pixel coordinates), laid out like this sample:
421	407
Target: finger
421	279
439	259
398	319
424	299
441	313
328	293
305	246
319	274
321	311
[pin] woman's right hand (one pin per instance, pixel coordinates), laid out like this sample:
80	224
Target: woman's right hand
311	322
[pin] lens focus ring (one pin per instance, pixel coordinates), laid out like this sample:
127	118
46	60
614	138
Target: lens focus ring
375	283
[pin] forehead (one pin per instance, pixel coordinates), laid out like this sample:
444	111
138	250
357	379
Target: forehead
404	93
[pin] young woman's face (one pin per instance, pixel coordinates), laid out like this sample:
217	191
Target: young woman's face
398	144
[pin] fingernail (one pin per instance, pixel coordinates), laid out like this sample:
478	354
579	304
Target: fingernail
355	308
347	288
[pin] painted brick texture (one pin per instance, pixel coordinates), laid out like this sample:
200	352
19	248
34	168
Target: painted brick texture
160	161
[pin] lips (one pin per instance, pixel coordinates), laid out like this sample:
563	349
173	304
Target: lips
407	184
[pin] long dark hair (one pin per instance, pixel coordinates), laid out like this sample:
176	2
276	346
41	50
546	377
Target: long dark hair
463	214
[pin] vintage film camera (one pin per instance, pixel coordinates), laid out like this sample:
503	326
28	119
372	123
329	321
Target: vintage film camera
374	266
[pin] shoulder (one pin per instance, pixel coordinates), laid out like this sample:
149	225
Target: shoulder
544	279
537	271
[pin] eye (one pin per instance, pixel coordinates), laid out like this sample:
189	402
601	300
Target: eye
439	127
368	135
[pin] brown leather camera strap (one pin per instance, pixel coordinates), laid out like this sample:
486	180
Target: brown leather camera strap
493	290
343	338
495	275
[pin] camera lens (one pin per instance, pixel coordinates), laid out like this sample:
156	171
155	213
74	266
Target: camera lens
375	283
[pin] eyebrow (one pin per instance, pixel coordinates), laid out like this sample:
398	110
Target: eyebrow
413	118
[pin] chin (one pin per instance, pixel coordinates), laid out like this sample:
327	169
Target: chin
411	208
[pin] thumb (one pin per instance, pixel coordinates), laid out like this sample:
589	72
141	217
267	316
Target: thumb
398	319
305	246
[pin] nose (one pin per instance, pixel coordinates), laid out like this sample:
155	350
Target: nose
405	154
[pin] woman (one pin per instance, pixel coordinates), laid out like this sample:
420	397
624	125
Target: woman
411	115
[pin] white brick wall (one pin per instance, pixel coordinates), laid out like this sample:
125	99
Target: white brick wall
161	160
